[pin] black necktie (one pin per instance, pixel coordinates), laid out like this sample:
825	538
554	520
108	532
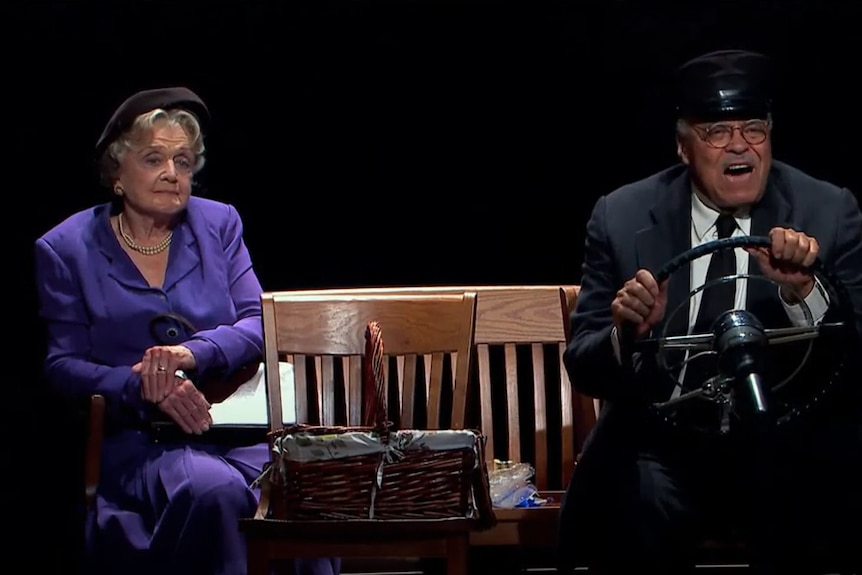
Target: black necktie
714	301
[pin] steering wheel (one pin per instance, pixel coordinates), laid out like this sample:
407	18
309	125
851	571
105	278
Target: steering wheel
738	342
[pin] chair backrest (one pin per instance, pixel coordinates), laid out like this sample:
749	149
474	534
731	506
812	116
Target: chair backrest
528	410
539	418
428	338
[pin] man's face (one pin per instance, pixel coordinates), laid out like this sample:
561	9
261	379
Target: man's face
729	160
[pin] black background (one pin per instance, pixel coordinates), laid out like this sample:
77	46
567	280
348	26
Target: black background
372	143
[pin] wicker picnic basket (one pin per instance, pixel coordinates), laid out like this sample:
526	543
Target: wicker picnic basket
375	472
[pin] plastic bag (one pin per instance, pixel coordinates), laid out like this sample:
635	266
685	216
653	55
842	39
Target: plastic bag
511	486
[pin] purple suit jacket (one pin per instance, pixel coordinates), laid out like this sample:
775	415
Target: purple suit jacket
98	307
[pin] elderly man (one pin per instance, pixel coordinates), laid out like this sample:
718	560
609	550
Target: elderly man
644	490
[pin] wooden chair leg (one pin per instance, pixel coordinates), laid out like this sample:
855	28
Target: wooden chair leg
93	453
457	554
256	558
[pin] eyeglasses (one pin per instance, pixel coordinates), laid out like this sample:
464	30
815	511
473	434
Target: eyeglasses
720	135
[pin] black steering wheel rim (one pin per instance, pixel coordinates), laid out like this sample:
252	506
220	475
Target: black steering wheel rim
827	277
708	248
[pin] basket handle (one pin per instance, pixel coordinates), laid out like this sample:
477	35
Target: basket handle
373	390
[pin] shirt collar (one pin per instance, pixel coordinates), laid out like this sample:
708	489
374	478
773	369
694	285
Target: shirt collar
703	217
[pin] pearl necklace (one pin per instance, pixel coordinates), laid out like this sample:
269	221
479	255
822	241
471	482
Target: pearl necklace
146	250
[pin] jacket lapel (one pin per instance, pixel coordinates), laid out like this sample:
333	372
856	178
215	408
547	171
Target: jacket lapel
183	257
119	267
669	236
773	210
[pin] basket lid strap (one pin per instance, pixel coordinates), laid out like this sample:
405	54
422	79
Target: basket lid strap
373	390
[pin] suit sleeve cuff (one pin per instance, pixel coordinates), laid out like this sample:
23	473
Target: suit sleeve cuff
817	301
207	355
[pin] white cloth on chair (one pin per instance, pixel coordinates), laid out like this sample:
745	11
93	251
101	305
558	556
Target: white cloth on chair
247	405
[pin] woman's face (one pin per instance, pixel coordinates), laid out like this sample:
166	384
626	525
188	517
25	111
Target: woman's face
156	178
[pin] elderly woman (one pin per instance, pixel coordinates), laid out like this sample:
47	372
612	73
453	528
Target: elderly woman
113	280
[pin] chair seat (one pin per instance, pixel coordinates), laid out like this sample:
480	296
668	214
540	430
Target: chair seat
274	540
523	526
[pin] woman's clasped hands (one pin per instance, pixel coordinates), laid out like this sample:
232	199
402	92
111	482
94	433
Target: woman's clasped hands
164	383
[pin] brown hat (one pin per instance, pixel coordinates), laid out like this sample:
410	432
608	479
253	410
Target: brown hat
144	101
725	84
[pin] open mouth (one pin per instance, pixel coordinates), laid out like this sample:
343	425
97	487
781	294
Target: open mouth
741	169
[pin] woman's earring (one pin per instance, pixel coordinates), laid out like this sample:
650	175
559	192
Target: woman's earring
118	189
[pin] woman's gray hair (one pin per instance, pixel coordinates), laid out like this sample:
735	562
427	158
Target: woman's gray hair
141	129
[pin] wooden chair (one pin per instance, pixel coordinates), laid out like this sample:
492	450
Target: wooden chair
324	336
93	449
528	409
540	419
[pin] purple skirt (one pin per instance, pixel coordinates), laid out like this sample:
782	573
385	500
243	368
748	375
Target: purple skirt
164	509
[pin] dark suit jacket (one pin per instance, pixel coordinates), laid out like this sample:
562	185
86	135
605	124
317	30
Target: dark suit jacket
644	225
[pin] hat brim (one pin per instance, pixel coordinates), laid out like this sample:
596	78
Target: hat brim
145	101
718	109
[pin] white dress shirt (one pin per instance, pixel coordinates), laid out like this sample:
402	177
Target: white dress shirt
703	230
